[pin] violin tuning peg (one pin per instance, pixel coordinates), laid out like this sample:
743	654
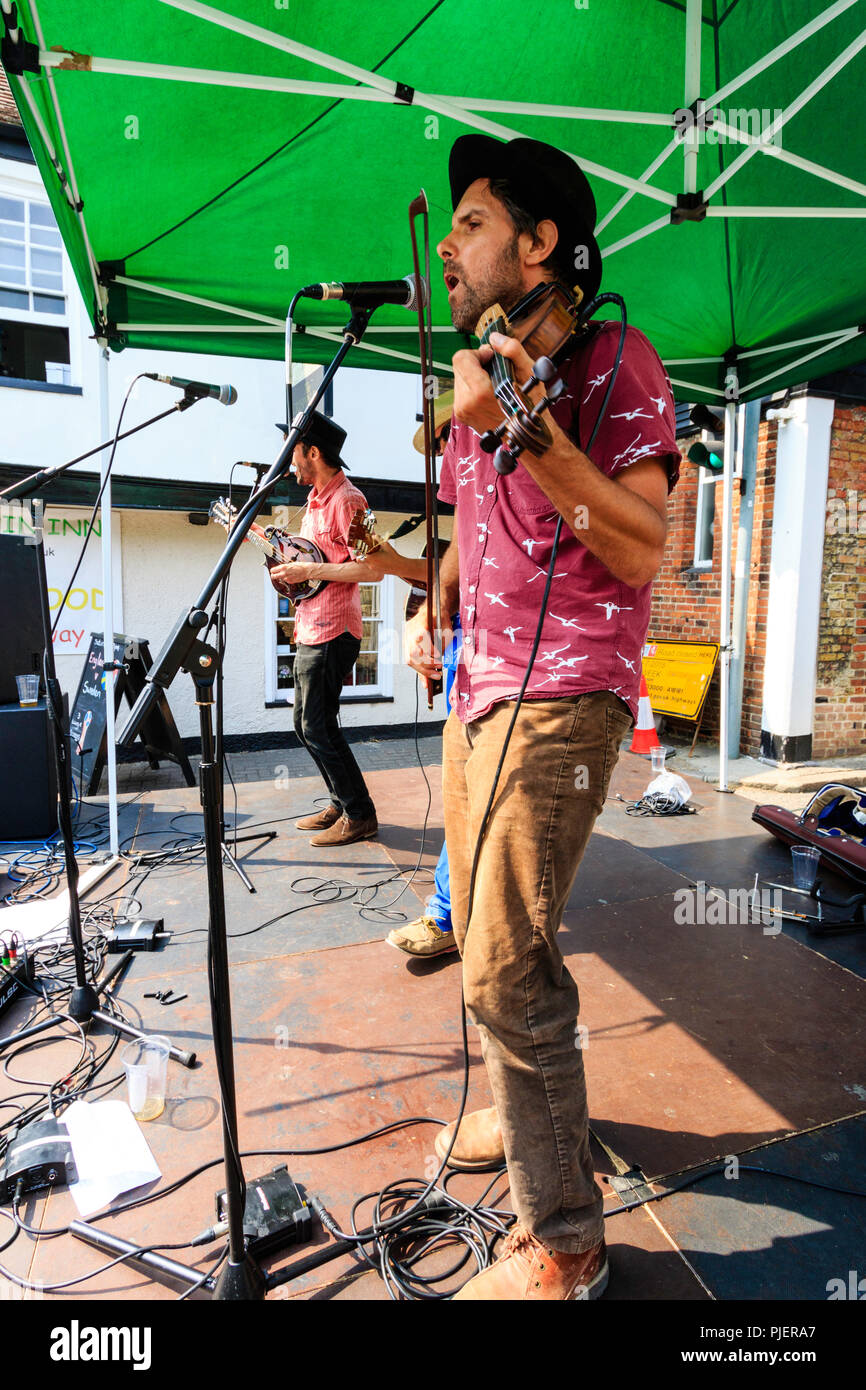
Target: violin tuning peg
489	441
504	461
544	369
556	390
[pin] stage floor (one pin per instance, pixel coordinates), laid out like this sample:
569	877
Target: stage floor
703	1040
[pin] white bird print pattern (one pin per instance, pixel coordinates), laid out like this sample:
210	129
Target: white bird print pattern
596	381
629	664
611	607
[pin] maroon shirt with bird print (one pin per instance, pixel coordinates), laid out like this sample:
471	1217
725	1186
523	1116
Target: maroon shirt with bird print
595	625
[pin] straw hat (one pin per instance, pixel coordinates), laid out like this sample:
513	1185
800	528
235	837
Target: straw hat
442	412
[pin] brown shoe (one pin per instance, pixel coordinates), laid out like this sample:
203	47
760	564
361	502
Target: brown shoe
527	1270
346	832
478	1146
321	820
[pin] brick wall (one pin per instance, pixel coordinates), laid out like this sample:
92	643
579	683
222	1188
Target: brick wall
686	600
840	693
8	109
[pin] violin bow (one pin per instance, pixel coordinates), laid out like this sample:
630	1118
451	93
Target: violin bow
419	207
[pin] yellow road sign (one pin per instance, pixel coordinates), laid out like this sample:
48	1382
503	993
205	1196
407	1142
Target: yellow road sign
678	675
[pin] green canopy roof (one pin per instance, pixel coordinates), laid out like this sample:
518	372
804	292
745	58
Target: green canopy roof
205	163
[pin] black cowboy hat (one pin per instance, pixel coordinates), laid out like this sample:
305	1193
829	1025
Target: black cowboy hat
545	181
326	434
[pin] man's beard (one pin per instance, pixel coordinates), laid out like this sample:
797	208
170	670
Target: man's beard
501	285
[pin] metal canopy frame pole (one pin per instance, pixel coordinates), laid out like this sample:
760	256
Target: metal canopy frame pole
732	391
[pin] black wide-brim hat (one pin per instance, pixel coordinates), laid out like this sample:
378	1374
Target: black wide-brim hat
325	433
544	181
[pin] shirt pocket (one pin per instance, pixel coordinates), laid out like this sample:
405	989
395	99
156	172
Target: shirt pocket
524	497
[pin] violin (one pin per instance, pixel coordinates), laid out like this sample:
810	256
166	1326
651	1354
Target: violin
547	322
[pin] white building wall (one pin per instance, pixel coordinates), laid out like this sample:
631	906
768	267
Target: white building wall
163	558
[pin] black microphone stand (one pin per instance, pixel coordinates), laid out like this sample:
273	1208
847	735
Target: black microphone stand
241	1276
218	622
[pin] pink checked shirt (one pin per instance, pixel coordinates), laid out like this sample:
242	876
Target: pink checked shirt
595	625
337	609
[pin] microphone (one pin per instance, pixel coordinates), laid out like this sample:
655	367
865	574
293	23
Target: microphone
226	395
370	293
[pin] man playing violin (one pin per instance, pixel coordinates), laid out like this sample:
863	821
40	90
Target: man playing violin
328	630
524	214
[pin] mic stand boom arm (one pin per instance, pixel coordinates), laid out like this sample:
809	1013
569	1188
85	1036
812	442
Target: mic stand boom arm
47	475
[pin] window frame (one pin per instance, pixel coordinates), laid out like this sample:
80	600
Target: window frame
27	193
33	315
351	695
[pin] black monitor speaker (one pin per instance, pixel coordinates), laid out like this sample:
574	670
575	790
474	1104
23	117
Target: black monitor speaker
20	622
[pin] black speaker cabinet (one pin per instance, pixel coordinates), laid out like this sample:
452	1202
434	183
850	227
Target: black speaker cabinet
28	782
20	622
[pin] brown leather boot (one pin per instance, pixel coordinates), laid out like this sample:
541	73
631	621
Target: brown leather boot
321	820
529	1271
478	1146
346	832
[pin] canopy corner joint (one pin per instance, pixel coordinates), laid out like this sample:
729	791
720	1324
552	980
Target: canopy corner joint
17	55
691	207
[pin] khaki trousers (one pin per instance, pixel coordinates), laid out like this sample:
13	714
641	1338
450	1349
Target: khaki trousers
517	989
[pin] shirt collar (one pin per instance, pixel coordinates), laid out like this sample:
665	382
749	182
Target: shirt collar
318	499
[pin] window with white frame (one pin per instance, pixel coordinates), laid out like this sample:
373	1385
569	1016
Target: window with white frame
34	332
705	518
371	676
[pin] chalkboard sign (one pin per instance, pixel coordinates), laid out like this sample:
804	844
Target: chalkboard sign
87	726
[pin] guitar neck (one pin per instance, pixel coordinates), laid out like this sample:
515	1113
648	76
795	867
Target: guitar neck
260	542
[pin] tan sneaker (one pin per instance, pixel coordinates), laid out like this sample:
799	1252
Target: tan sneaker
528	1271
346	832
423	937
479	1145
321	820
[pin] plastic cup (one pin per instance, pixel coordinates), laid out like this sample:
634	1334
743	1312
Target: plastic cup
805	860
658	759
145	1062
28	690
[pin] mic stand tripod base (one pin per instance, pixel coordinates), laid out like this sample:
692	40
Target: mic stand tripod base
265	835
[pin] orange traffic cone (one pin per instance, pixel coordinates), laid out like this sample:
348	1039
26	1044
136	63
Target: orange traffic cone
645	737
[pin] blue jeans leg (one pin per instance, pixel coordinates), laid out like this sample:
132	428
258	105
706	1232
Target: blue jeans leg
439	905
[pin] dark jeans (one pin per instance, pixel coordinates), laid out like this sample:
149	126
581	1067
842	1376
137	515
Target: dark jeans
319	675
